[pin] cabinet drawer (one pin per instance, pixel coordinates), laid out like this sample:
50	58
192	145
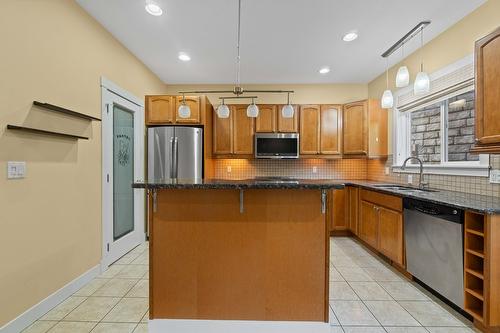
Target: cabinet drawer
384	200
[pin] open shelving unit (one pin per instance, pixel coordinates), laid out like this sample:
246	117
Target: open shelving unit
474	265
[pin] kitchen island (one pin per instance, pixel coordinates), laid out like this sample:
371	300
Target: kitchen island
253	255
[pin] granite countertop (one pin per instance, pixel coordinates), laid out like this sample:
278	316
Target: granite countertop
467	201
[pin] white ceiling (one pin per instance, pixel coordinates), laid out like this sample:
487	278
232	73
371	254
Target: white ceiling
283	41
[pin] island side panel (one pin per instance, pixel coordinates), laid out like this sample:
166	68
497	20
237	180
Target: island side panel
209	261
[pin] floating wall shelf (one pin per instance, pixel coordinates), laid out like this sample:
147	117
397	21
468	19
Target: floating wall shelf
40	131
65	111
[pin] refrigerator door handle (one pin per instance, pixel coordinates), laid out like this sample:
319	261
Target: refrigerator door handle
157	144
175	157
171	158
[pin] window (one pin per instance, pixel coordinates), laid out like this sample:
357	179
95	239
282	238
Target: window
441	134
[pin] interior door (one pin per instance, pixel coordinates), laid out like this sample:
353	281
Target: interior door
123	164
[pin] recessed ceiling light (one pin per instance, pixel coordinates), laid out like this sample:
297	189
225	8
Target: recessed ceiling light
153	8
350	36
184	56
324	70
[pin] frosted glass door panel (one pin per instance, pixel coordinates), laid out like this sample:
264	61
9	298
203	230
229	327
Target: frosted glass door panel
123	172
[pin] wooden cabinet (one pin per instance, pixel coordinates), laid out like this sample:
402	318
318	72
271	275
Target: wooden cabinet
309	129
194	104
368	223
330	129
380	224
267	119
222	135
288	125
338	216
243	130
352	208
365	129
160	110
487	67
390	238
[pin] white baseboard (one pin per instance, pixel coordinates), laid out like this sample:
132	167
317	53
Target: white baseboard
32	314
235	326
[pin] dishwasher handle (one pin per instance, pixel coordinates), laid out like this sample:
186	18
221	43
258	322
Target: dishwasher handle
430	211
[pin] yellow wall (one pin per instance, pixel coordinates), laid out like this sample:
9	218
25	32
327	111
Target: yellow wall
450	46
304	93
51	221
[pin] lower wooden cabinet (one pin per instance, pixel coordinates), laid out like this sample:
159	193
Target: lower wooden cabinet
368	223
390	234
352	208
338	215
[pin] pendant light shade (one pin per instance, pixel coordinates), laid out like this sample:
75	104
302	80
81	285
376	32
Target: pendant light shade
287	111
403	77
184	111
252	110
387	100
223	111
422	84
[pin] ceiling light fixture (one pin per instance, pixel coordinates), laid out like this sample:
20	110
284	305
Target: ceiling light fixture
153	8
422	83
387	98
324	70
350	36
287	111
223	110
184	56
403	76
184	109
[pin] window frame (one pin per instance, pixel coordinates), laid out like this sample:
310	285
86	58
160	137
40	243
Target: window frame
402	139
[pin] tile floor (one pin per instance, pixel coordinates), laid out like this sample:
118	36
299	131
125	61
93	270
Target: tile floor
366	296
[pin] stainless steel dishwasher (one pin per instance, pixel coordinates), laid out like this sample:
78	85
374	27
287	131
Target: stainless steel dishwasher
434	247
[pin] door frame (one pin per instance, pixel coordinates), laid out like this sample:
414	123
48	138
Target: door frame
110	93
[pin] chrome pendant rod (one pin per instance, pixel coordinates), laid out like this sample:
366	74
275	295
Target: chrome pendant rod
412	33
232	91
239	97
270	91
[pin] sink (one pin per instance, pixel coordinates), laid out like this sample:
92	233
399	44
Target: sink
402	188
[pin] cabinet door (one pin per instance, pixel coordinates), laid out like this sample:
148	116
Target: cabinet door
390	234
339	219
353	209
194	104
309	129
330	129
160	110
487	57
368	223
377	129
288	125
243	130
222	134
355	128
266	121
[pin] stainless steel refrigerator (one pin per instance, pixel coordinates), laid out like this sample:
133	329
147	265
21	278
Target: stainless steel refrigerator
175	152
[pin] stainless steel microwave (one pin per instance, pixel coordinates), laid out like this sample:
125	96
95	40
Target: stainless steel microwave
277	145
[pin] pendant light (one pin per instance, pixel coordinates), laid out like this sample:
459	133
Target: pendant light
223	111
422	83
387	98
403	76
184	110
252	110
287	111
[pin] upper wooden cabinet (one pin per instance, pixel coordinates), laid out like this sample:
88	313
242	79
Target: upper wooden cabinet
223	134
243	130
194	104
487	57
160	110
309	129
288	125
267	119
163	110
330	129
365	129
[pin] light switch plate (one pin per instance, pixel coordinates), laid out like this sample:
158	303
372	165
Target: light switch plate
16	170
315	169
410	179
495	176
386	171
229	169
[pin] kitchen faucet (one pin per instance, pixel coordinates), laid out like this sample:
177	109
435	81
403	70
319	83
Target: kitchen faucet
421	183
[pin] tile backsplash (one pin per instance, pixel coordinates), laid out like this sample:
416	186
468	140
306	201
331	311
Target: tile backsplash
350	169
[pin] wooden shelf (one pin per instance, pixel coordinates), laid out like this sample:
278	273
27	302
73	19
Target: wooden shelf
478	293
475	273
44	132
65	111
476	313
475	232
476	253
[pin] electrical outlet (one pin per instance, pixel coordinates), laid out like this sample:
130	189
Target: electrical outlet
386	171
315	169
410	179
229	169
16	170
495	176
